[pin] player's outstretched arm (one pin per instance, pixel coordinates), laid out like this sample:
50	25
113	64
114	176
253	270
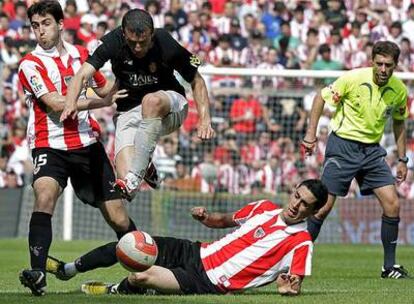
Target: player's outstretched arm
289	284
200	94
213	219
309	141
74	89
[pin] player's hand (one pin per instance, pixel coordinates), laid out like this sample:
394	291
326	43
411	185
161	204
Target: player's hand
199	213
114	95
309	145
288	284
205	131
69	111
401	172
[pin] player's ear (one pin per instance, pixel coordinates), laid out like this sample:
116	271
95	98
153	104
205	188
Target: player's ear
60	25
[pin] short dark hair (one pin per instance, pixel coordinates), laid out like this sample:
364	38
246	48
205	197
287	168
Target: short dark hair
42	8
319	191
387	48
137	21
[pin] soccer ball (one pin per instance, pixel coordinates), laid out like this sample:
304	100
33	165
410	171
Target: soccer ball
136	251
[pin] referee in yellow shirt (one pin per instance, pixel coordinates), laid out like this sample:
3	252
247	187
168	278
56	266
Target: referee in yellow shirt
364	99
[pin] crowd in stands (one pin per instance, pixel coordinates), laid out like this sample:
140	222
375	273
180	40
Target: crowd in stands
259	120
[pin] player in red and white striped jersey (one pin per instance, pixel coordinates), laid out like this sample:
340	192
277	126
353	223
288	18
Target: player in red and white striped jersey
270	244
63	150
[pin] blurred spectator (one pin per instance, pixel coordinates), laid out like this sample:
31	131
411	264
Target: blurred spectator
245	113
206	173
72	19
222	22
237	41
233	177
396	33
20	18
308	51
335	13
338	52
299	26
186	30
178	14
272	20
9	53
289	43
270	63
228	143
5	30
165	158
25	42
85	34
406	60
408	25
255	51
154	8
223	54
325	62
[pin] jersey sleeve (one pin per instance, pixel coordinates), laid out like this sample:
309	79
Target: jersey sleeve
401	110
179	57
333	93
252	209
104	52
301	264
34	78
98	79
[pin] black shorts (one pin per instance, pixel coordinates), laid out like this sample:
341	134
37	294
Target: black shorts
89	169
347	159
182	257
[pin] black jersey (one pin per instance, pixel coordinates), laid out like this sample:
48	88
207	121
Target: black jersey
151	73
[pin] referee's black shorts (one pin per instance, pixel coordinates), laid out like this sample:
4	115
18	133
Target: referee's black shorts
347	159
89	169
182	257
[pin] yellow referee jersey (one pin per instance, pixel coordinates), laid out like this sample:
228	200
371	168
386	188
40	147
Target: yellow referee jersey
362	107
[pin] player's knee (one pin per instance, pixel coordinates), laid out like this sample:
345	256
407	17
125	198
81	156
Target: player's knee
153	105
392	208
139	278
44	202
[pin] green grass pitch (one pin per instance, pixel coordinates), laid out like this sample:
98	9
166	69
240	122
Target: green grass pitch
341	274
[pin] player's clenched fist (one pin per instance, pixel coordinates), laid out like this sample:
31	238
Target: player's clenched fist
199	213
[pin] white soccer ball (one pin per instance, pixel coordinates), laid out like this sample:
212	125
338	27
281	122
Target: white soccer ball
136	251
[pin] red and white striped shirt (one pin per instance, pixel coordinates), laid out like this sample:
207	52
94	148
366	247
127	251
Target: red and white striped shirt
255	253
45	71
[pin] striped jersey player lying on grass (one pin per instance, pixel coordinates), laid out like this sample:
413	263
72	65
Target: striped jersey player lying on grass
270	244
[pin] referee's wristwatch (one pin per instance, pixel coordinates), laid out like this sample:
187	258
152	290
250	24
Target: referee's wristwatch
404	159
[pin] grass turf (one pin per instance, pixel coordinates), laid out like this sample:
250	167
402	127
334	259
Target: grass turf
341	274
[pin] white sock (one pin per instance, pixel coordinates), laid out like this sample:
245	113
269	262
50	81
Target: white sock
146	138
70	269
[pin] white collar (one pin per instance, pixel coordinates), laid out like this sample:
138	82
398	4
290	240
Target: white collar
53	52
291	229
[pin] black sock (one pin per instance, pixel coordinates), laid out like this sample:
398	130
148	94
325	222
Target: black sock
103	256
126	288
131	227
389	237
40	238
314	226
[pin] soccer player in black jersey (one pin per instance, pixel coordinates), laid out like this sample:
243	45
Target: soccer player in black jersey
144	60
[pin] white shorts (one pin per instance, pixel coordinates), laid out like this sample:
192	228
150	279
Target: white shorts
127	123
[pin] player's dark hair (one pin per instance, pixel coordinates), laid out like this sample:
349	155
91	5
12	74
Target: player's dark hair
42	8
137	21
319	191
386	48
